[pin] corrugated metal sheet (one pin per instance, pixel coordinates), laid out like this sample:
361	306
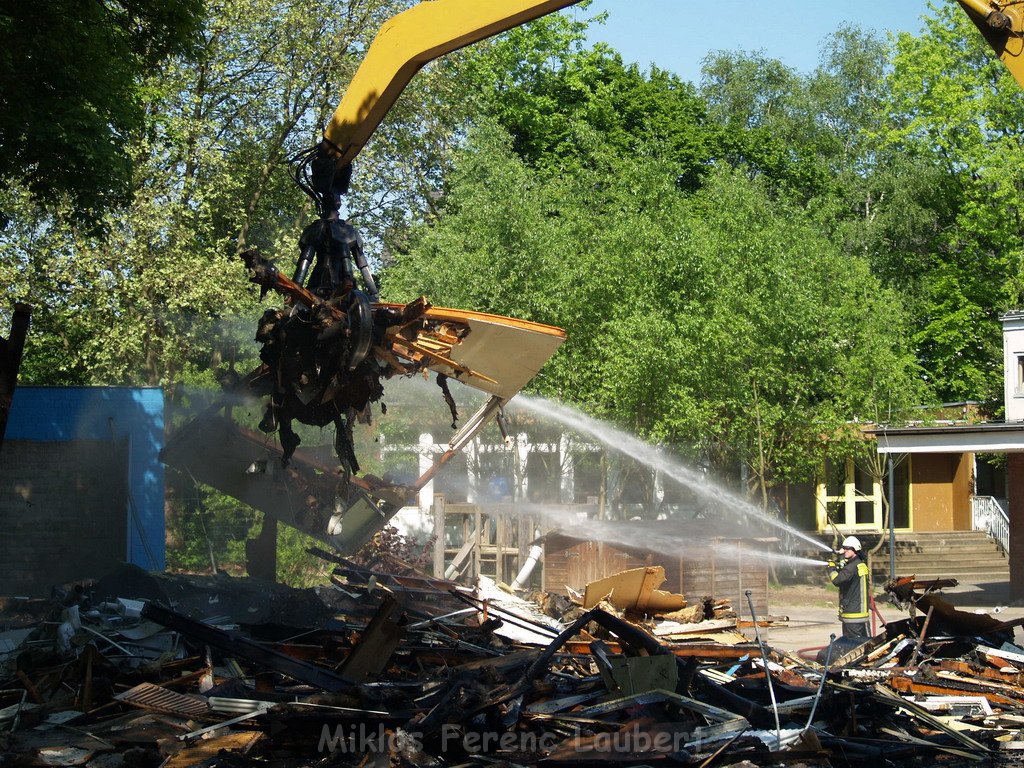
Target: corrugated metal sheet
157	699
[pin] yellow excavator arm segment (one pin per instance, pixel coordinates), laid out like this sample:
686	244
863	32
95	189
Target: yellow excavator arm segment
1002	25
408	41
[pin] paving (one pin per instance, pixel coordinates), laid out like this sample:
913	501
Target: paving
814	616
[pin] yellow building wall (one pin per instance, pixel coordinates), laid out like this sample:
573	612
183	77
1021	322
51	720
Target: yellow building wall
941	491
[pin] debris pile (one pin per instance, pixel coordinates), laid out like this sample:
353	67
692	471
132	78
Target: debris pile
402	668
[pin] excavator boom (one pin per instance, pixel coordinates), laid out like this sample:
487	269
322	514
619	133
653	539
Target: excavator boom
1002	25
408	41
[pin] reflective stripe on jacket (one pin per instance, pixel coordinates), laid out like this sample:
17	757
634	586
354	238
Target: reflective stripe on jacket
852	580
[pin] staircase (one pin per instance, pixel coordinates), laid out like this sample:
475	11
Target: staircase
971	557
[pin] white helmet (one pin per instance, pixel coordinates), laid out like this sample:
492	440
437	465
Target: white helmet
851	542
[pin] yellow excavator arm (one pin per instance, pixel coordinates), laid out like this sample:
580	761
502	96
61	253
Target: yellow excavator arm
1002	25
408	41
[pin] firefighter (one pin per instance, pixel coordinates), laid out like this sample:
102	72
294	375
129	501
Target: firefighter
850	574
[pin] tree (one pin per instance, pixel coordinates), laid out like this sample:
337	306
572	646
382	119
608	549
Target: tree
957	111
72	95
719	322
548	91
154	297
805	134
790	333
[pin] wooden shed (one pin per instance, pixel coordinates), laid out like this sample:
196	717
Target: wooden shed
710	567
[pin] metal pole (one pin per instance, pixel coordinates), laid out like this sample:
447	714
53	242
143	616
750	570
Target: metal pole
767	672
892	518
821	684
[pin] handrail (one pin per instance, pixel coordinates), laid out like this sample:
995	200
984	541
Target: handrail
988	515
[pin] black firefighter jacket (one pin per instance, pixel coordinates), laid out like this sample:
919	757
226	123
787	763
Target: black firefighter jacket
852	579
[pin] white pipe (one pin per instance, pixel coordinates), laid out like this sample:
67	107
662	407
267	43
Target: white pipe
524	573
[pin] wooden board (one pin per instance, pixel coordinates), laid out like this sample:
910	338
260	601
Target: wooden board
235	742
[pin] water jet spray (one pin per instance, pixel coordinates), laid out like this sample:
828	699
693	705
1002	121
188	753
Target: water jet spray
654	458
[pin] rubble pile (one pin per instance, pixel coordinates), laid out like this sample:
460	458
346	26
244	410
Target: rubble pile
381	668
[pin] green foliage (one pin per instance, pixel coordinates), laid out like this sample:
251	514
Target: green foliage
909	152
296	567
208	530
72	94
957	111
806	134
154	298
205	528
550	93
719	322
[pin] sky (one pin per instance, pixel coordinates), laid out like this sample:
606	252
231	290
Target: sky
677	34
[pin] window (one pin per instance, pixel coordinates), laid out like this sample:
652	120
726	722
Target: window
849	496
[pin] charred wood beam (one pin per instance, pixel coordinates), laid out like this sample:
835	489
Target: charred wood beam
268	277
244	648
701	650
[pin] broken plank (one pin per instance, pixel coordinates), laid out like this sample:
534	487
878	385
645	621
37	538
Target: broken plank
238	743
1007	655
702	650
883	695
553	706
951	688
377	644
698	627
716	714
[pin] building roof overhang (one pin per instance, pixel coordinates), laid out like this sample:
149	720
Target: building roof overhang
991	437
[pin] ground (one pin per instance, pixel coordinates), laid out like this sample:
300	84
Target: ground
811	611
802	595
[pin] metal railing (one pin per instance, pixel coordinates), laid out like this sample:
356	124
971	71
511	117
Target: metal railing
989	514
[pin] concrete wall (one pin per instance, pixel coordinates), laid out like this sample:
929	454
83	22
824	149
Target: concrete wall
81	485
63	514
1013	365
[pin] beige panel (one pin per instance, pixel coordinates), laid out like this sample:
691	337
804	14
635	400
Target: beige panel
932	480
508	354
961	492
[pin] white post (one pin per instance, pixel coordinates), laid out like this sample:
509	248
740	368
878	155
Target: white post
1013	365
523	448
566	470
426	459
472	470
